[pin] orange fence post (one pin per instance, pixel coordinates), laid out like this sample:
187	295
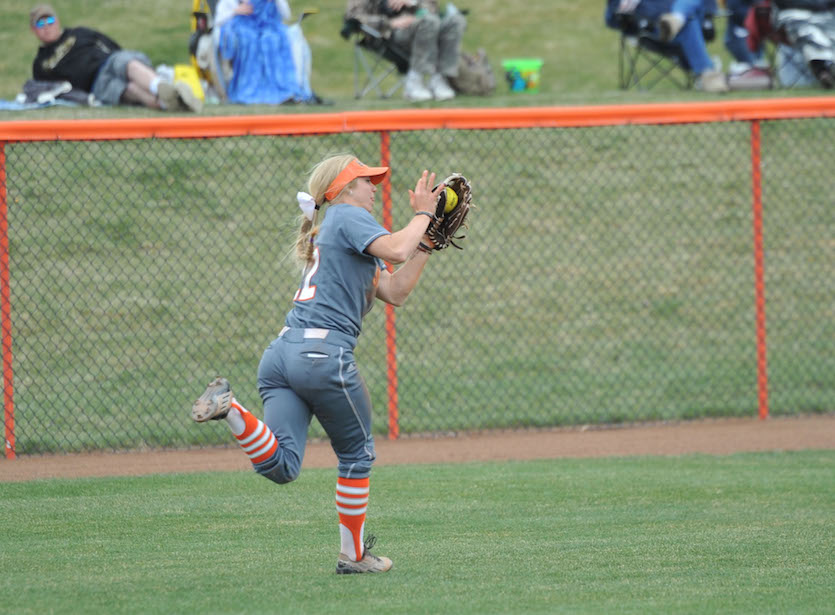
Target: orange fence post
391	323
5	313
759	269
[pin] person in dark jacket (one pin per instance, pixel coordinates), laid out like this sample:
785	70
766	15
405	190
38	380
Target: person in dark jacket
809	26
93	62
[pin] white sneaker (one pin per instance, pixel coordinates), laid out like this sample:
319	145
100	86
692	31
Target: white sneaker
414	90
737	68
214	403
368	563
167	95
188	100
48	96
752	79
440	88
712	81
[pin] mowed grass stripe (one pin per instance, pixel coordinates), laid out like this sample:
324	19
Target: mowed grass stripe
748	533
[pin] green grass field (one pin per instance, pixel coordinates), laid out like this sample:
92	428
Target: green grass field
747	533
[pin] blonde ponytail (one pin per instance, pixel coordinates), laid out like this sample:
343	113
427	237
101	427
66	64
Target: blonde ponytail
321	177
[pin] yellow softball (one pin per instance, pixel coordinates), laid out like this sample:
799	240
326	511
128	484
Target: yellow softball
451	199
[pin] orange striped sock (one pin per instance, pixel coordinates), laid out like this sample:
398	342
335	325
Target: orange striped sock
257	441
351	504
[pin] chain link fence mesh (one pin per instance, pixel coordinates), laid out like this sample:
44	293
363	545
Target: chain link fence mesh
608	276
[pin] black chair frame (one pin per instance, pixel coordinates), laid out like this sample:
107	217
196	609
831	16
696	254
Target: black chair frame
644	61
376	60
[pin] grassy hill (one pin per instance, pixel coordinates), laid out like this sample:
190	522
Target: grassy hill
579	52
649	275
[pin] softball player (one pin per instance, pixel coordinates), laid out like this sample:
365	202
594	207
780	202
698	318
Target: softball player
309	369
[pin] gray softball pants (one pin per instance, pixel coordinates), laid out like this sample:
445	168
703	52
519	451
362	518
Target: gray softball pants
312	372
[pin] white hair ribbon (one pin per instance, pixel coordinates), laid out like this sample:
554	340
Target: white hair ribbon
307	204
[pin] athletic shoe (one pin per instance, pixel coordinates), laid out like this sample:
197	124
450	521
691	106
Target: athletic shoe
52	92
669	25
752	79
712	81
368	563
188	100
440	88
167	95
414	90
214	403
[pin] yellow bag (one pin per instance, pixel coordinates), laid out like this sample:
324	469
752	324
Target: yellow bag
188	74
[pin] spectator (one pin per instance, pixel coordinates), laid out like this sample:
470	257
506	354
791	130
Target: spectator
809	26
736	34
93	62
749	71
791	69
252	36
433	42
225	10
678	22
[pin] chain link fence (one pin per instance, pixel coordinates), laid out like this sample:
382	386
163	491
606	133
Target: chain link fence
608	276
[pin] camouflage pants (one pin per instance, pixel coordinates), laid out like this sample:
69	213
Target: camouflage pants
434	44
811	32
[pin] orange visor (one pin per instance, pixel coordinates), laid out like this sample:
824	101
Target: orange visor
354	170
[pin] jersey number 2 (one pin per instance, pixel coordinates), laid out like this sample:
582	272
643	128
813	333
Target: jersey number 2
308	290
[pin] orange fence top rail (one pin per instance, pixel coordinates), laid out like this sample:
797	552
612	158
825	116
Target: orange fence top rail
417	119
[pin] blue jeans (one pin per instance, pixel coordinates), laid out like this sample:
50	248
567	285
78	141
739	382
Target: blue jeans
690	37
693	46
694	8
736	36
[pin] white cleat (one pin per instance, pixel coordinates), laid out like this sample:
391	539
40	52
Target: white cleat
368	563
214	403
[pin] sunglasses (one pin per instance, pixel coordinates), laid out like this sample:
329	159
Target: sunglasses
45	21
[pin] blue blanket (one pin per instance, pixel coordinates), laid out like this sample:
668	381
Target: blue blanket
259	49
17	105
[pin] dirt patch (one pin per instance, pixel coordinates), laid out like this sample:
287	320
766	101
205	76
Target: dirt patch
718	437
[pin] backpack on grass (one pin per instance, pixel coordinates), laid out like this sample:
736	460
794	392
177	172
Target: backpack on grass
475	75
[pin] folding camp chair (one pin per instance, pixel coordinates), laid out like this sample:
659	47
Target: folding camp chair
644	61
786	61
380	66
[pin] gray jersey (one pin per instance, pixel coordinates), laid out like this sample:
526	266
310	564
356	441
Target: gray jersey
338	289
